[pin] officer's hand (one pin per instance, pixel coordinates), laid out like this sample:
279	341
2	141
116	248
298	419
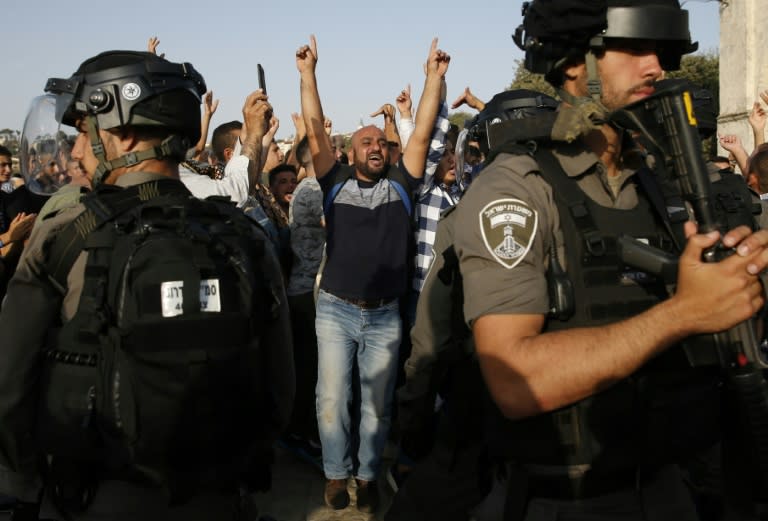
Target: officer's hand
717	296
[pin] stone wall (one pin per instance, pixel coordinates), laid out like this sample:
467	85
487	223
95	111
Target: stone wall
743	64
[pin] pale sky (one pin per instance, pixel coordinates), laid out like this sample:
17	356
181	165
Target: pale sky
367	52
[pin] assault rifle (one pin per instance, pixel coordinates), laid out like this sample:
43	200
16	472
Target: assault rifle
668	128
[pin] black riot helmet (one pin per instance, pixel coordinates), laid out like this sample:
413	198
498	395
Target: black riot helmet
517	104
129	88
555	32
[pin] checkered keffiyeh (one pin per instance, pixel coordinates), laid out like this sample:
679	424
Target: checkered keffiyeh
433	199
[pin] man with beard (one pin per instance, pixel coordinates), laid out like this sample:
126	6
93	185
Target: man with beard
583	355
368	207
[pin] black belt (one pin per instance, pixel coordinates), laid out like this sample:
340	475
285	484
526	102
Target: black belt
584	486
367	303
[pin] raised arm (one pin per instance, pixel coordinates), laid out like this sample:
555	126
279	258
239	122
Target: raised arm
266	140
257	112
298	124
152	46
405	106
390	129
757	119
323	158
209	108
732	144
468	99
415	154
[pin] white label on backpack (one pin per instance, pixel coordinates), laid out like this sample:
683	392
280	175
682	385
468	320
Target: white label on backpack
172	298
210	295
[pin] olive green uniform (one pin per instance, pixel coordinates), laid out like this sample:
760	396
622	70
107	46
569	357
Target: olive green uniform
505	226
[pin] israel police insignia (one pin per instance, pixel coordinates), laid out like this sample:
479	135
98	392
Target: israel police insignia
508	227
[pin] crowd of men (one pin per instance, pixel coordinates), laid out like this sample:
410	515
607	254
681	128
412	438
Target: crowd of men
559	296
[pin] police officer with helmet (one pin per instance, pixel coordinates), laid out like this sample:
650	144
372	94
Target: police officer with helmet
135	115
581	353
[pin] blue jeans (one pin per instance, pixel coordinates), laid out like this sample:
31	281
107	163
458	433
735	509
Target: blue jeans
348	334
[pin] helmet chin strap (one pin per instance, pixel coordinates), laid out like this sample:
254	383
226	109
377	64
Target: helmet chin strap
173	146
593	102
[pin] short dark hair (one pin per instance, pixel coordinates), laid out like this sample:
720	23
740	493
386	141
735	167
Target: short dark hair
5	152
223	137
282	167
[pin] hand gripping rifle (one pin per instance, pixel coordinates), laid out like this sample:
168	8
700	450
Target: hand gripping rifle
667	125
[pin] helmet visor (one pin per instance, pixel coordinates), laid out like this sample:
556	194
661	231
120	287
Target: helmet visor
44	154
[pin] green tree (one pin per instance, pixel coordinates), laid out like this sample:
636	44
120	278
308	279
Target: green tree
459	118
703	70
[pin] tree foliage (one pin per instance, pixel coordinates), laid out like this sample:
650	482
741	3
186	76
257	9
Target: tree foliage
703	70
459	118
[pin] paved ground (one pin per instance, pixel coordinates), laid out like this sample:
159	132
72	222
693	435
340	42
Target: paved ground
297	494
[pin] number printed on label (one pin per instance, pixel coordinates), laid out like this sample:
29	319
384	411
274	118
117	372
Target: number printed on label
172	297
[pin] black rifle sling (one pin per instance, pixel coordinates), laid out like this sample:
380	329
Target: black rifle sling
567	191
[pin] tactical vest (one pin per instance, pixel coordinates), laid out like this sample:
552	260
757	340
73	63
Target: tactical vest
665	410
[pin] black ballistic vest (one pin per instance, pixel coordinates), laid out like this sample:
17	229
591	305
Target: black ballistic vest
663	412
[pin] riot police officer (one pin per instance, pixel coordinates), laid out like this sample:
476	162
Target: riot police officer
581	354
135	115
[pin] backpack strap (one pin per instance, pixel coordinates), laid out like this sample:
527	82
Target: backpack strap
101	206
396	178
567	191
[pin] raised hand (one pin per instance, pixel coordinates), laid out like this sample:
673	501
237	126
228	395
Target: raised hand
298	123
306	56
387	110
257	114
209	104
469	99
152	46
758	115
730	142
437	61
404	101
327	126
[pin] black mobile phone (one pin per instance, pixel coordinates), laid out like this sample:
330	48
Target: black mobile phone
262	81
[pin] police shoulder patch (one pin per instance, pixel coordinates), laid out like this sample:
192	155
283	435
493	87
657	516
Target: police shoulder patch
508	227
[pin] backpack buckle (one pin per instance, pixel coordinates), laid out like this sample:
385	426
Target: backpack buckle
595	243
